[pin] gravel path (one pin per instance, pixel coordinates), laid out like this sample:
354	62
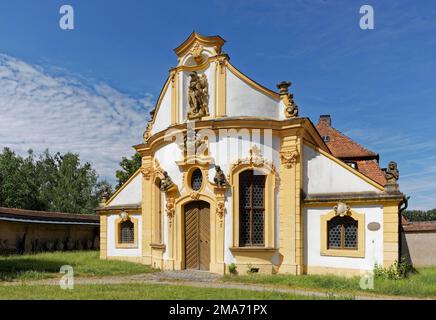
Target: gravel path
199	279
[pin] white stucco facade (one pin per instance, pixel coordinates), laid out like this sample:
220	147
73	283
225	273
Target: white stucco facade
247	127
244	100
323	175
112	250
373	241
131	194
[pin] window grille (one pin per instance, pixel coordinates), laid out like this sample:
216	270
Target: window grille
251	209
342	233
196	180
127	231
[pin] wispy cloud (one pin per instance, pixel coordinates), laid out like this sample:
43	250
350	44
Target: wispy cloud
63	112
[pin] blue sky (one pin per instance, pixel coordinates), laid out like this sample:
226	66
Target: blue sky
89	90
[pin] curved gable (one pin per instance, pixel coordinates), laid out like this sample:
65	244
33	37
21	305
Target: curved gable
323	175
247	98
130	192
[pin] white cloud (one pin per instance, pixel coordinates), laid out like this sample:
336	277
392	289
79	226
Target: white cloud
39	110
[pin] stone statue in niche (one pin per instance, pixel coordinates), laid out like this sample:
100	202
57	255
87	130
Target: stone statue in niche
220	178
166	182
391	175
198	96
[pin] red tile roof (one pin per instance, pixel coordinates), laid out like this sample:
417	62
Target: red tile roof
371	169
345	148
340	145
421	226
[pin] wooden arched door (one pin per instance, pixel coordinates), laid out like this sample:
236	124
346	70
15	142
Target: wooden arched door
197	235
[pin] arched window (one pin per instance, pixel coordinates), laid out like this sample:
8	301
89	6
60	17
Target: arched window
127	232
342	233
251	208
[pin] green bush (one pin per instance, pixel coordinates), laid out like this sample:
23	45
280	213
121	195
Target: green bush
398	270
233	268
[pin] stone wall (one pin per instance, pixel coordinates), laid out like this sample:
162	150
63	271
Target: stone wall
22	237
418	243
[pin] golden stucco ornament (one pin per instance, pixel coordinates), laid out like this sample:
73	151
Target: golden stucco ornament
289	158
291	109
196	51
342	209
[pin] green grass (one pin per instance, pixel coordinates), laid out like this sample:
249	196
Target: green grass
420	284
137	292
46	265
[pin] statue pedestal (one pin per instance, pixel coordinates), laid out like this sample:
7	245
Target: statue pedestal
392	187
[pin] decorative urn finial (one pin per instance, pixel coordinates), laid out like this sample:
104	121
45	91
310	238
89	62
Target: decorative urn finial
283	87
291	109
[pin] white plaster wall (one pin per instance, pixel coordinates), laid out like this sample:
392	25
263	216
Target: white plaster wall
322	175
373	240
163	116
243	100
131	193
112	251
227	150
224	150
167	157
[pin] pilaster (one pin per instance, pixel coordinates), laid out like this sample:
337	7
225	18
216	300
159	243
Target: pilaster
390	233
147	185
217	231
103	236
290	220
221	78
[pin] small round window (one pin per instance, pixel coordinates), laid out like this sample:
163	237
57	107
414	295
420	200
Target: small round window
196	180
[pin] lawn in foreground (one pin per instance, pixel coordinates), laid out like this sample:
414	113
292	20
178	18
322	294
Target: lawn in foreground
137	292
46	265
420	284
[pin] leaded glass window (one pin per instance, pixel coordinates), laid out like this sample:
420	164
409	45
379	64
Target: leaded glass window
196	180
342	233
251	209
127	231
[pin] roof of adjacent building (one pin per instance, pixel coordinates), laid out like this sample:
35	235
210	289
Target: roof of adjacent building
417	226
344	148
339	144
34	216
371	169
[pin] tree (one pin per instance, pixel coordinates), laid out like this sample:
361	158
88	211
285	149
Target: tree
419	215
53	182
128	167
75	185
18	187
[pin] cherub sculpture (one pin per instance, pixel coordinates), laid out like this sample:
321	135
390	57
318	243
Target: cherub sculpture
220	178
166	182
